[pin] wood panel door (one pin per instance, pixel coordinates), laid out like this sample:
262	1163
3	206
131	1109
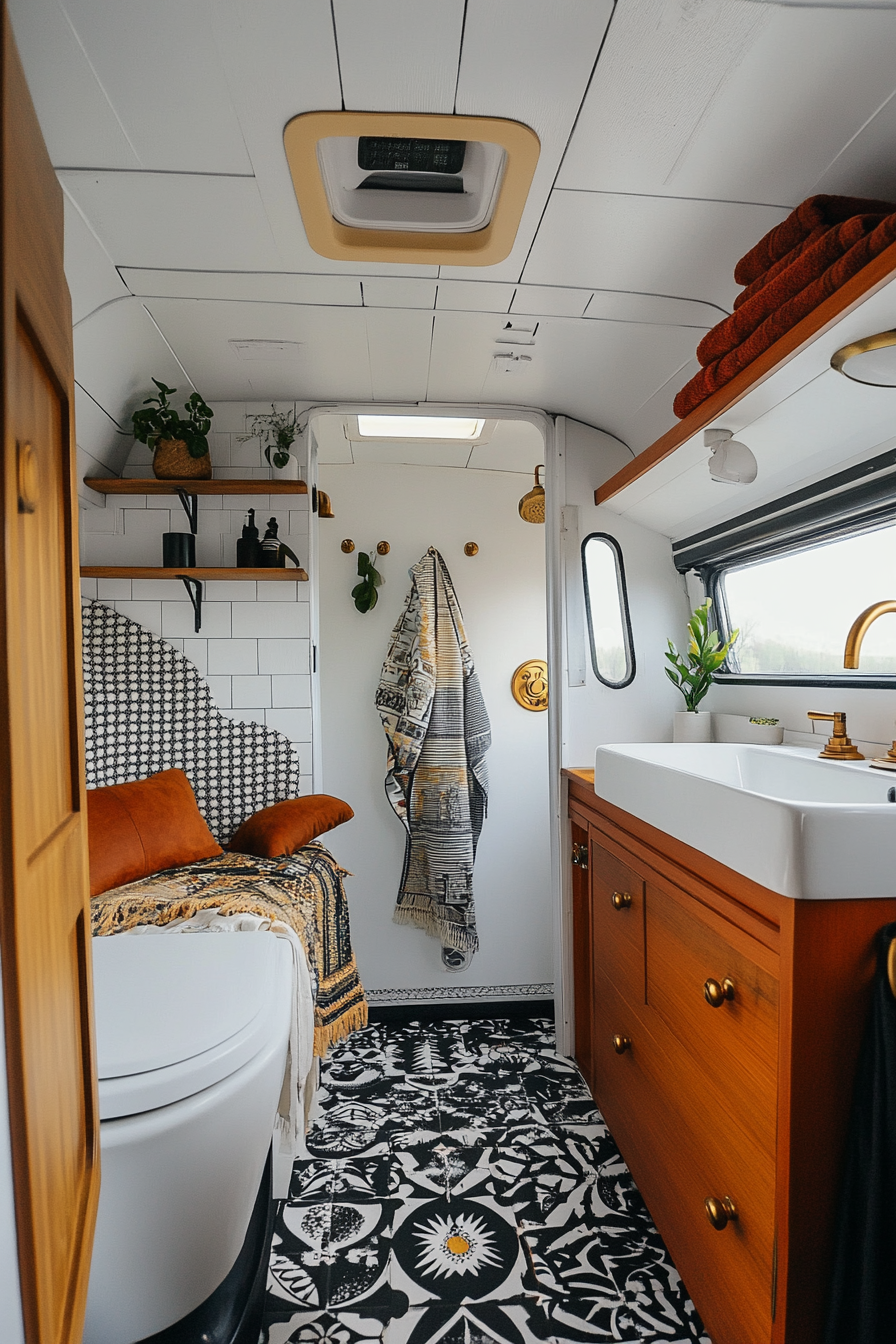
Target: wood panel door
44	905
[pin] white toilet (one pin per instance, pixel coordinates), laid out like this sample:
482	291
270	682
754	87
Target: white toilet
192	1037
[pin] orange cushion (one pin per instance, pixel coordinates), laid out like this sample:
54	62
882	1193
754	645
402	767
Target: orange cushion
137	829
287	826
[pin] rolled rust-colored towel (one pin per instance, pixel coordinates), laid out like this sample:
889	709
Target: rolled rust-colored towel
809	264
781	265
717	374
811	214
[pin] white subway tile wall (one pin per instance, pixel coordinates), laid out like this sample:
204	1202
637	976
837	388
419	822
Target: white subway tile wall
254	648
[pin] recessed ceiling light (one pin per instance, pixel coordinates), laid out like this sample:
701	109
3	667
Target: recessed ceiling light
871	360
418	427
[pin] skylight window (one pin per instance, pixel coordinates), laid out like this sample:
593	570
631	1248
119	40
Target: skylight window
419	427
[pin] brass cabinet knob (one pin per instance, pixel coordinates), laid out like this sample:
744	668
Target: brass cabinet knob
720	1212
621	1044
622	900
716	994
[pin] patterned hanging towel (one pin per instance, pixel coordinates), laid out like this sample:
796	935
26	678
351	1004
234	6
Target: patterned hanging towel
438	733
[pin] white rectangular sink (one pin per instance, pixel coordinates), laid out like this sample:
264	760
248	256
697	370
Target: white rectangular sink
819	830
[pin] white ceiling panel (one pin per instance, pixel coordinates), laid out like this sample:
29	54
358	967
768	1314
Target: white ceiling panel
658	309
78	122
598	372
405	453
175	221
475	296
548	301
514	445
660	245
245	286
118	351
92	279
398	55
332	445
867	165
531	62
159	67
97	435
385	292
398	342
728	100
332	363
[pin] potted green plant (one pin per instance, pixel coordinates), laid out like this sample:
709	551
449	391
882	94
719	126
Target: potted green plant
277	431
693	674
179	442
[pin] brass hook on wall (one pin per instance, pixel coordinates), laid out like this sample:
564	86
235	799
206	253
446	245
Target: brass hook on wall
383	548
348	546
471	548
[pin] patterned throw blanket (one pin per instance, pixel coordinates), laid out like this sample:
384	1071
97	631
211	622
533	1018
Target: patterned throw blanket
304	891
438	733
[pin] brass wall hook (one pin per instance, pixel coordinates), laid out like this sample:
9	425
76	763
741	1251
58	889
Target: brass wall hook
347	545
383	548
471	548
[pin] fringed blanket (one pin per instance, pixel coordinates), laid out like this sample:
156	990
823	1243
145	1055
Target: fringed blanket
438	733
304	891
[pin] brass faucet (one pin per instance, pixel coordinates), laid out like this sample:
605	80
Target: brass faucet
859	629
857	632
838	746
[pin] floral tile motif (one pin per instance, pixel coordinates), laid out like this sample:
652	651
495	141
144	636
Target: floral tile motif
463	1188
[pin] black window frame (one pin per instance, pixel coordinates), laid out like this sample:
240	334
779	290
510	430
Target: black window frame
627	634
858	499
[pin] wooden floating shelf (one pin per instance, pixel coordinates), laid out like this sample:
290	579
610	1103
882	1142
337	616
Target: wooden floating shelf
117	485
868	281
157	572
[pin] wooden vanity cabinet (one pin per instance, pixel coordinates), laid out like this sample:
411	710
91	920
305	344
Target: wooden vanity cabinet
718	1024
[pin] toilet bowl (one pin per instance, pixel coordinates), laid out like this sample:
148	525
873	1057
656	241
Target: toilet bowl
192	1036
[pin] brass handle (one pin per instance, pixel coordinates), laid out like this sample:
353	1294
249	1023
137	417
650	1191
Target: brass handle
580	856
621	1044
26	473
716	994
720	1212
622	900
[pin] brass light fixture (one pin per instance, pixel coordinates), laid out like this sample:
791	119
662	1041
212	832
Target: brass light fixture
532	504
871	361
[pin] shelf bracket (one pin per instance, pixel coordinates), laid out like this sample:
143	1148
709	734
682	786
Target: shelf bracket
191	508
194	593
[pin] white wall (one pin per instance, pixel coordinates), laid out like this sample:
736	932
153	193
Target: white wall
11	1327
642	711
254	648
502	595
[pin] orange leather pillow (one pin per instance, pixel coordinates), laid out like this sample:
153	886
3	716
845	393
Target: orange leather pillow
137	829
287	826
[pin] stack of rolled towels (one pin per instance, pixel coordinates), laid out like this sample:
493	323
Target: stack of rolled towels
795	267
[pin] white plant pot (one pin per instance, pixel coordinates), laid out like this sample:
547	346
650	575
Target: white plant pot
692	726
288	473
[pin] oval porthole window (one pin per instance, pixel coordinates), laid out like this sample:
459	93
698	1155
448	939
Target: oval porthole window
606	607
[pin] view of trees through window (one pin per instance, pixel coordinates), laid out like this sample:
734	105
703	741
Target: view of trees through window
794	610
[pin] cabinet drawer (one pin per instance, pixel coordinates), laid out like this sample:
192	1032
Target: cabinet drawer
670	1129
617	922
735	1043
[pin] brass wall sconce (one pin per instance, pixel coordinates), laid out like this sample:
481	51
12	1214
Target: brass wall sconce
324	507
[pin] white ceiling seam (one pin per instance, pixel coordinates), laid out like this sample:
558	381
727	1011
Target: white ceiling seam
398	55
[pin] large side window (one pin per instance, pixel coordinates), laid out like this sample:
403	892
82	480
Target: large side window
794	609
606	606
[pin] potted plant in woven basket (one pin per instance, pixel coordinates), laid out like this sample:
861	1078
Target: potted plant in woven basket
179	442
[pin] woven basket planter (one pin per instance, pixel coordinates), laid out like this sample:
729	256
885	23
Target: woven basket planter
172	462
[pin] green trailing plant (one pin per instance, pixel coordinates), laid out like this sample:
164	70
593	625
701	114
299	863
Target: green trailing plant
705	655
162	421
364	593
277	431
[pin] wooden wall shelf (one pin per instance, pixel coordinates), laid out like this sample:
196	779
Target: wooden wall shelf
157	572
117	485
770	368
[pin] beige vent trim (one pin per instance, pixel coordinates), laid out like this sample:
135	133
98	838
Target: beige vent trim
341	242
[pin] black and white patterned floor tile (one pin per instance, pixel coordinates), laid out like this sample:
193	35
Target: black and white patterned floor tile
463	1188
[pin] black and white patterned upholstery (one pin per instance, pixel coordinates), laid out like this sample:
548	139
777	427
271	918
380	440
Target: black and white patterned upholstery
146	708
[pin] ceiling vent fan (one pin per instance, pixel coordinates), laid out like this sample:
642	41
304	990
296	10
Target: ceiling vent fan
402	187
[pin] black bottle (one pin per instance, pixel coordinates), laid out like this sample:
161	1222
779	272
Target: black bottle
272	556
248	548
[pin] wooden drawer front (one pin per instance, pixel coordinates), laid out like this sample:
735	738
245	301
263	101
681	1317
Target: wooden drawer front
617	933
735	1044
654	1100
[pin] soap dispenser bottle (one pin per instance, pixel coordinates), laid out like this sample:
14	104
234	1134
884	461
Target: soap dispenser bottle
248	547
272	556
